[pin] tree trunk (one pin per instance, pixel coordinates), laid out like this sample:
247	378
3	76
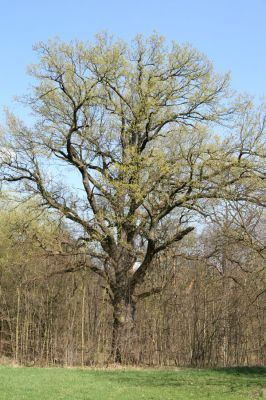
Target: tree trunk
123	325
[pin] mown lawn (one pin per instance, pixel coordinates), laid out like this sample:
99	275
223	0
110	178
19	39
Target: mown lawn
148	384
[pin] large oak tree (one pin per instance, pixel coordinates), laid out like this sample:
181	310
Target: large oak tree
141	129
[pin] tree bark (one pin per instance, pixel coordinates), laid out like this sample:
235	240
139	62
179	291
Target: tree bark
123	326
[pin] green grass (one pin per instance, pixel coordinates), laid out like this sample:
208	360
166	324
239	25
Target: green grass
148	384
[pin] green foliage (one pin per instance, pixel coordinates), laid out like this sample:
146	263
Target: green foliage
139	126
26	233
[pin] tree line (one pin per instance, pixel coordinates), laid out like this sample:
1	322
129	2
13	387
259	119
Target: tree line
201	305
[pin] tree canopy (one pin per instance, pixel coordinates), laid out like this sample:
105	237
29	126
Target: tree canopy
154	139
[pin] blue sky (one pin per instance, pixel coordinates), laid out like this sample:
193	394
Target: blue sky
231	32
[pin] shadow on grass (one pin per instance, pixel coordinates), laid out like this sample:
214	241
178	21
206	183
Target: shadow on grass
260	371
195	377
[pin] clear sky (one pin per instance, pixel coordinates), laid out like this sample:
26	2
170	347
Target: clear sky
231	32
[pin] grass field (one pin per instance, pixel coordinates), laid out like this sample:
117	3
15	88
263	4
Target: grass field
148	384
